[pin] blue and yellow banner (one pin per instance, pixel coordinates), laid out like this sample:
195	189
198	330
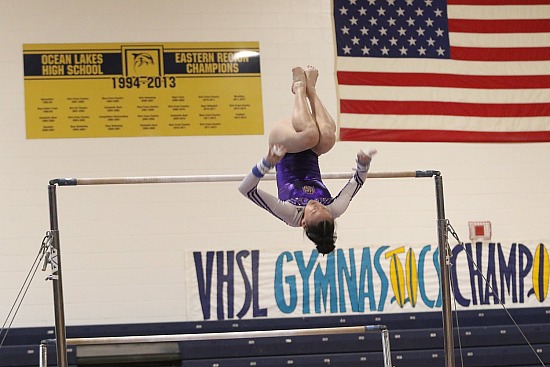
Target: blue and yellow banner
142	89
363	280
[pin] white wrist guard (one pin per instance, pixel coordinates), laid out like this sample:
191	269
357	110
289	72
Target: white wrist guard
261	168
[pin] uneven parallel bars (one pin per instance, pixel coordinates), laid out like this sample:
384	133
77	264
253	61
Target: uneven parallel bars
221	178
56	272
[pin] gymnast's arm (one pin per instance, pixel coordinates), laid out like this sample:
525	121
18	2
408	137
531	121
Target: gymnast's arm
342	200
288	213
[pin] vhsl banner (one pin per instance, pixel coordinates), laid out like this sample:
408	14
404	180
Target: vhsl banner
256	283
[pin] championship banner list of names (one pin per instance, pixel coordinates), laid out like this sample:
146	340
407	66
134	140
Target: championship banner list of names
145	89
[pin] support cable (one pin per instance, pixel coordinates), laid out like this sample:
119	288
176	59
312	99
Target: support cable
25	287
456	312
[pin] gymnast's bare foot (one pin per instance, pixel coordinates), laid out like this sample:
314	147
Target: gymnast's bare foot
311	74
298	79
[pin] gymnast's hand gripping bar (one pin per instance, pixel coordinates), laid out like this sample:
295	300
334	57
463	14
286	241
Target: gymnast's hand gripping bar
222	178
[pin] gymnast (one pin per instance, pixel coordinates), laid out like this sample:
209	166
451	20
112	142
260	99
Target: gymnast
295	145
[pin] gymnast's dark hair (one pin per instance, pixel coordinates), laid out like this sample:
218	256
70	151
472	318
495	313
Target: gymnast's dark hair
322	234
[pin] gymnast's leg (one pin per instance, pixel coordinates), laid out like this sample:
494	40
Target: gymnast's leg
300	132
325	122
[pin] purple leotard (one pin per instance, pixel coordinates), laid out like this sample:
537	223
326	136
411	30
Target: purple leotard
299	178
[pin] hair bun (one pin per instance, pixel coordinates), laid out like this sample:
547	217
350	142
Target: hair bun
322	234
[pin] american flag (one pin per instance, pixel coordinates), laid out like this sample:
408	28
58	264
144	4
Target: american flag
443	71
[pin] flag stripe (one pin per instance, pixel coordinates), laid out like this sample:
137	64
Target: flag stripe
443	80
464	95
501	12
498	2
499	26
450	123
365	134
359	64
375	107
500	54
502	40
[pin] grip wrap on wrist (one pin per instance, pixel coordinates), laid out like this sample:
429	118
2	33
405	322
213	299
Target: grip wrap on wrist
261	168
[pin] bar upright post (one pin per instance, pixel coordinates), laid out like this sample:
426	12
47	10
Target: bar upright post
444	263
386	347
55	258
43	356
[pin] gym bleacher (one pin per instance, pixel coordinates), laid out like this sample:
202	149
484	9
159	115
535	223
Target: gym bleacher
482	339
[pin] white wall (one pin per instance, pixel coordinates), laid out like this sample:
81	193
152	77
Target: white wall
123	247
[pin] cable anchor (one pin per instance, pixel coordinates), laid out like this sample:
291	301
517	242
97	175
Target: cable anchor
50	255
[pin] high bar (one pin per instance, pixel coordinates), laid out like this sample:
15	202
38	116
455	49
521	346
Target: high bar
222	336
222	178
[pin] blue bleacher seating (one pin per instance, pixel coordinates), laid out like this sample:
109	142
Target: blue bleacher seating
482	339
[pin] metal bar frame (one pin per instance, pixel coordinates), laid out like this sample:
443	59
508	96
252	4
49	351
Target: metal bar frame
60	326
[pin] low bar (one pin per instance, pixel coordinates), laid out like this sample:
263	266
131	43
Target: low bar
224	336
221	178
221	336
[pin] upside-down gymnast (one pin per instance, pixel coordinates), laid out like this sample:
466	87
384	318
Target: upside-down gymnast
295	145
